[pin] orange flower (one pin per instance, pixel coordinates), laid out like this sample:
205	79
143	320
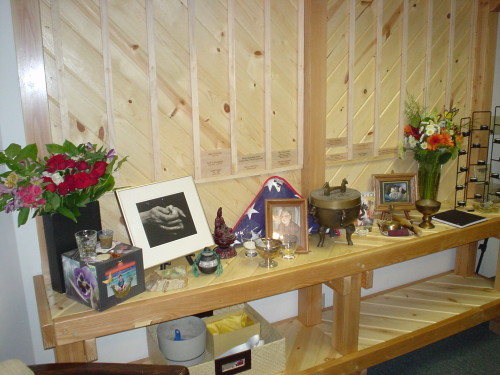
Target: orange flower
434	141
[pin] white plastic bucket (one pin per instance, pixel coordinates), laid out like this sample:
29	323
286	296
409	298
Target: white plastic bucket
188	351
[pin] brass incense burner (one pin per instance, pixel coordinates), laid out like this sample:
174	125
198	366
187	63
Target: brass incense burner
335	207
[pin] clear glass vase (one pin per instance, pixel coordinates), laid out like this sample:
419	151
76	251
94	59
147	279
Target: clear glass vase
429	173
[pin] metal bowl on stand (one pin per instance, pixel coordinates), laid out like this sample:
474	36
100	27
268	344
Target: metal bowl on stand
268	248
335	207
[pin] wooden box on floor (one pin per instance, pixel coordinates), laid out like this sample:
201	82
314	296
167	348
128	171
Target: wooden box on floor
262	360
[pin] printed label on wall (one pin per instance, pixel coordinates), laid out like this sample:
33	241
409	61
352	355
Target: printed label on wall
215	163
251	162
284	158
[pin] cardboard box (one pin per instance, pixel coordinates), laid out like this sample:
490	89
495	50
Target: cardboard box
220	343
101	284
262	360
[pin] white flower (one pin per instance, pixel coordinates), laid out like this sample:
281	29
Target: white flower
430	129
412	142
55	177
423	145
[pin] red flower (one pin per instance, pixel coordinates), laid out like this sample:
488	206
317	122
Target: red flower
63	188
56	163
99	169
84	180
51	187
70	181
70	163
410	130
82	165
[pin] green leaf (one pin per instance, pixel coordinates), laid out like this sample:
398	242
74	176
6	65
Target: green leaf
28	152
66	212
53	148
444	157
70	148
54	201
12	150
22	218
121	162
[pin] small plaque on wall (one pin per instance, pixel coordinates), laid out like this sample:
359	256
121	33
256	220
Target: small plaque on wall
216	163
362	150
284	158
388	151
254	162
336	142
336	157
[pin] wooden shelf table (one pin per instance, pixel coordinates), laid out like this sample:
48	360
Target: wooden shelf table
356	334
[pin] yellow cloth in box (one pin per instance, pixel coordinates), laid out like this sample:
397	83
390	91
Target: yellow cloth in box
229	323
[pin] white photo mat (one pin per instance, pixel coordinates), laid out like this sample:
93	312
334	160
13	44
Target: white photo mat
158	245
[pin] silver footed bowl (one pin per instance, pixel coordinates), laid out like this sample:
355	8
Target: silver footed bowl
268	248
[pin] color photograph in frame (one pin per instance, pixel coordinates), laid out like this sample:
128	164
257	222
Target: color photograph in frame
398	190
288	216
165	219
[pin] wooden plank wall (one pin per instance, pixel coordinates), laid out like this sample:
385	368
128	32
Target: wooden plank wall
380	50
215	88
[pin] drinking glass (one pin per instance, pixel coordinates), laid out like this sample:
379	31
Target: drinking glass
86	241
289	246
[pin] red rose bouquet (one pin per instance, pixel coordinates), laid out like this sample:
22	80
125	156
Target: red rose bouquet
69	178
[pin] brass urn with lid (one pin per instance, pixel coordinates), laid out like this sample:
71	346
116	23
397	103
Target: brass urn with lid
334	208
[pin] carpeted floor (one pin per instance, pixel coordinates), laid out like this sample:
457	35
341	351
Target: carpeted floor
475	351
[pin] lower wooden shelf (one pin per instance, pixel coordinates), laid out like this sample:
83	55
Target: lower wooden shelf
393	323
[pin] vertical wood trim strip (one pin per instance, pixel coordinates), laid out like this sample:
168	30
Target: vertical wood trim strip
60	71
404	70
267	84
33	88
378	65
194	89
350	83
428	48
153	90
108	72
300	85
232	85
451	45
471	63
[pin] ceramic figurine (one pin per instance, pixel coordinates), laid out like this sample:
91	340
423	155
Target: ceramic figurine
223	237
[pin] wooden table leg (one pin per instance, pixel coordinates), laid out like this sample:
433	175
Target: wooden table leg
346	310
465	260
495	323
81	351
310	305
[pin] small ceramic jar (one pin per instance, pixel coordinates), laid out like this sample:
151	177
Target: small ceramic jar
207	263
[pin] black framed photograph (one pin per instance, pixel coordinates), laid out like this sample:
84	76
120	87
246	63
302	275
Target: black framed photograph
165	219
287	217
398	190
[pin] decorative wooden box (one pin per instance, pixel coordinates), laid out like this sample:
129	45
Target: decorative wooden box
101	284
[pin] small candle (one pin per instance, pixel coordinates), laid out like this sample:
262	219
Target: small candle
484	127
481	162
476	145
462	152
459	187
461	203
495	175
464	169
473	179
